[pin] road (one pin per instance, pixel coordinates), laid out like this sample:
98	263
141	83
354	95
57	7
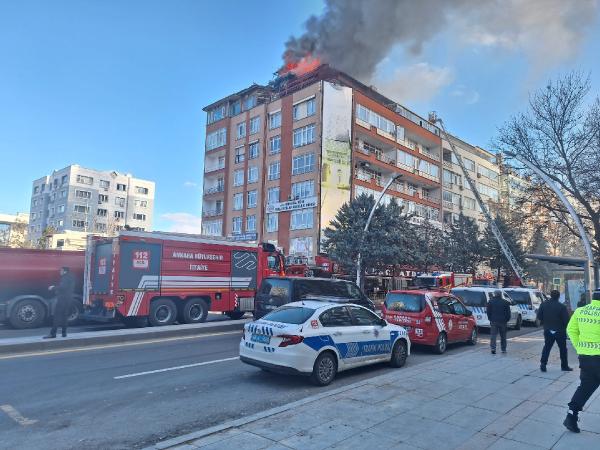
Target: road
98	399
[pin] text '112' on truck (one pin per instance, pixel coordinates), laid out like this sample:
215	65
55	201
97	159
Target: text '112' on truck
160	278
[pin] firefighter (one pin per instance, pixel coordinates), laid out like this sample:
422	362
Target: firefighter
64	299
584	332
498	312
555	317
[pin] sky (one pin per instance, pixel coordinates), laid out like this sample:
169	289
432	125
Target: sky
120	85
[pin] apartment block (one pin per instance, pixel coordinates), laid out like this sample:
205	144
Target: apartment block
92	201
282	158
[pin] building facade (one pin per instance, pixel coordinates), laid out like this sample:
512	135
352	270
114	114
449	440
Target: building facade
90	201
281	159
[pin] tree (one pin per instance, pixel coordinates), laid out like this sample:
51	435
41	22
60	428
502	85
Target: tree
560	135
493	254
430	247
463	246
539	271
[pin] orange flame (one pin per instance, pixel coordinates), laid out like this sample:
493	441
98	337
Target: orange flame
301	66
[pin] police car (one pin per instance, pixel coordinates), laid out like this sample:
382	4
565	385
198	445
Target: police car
528	301
320	338
476	300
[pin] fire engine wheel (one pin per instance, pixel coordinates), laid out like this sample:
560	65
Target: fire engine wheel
28	313
195	310
441	344
162	312
75	312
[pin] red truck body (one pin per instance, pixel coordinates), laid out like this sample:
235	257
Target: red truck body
164	277
25	275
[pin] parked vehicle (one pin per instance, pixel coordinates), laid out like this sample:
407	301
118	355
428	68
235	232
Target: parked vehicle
528	301
25	275
443	280
320	339
301	266
433	318
476	300
275	292
160	278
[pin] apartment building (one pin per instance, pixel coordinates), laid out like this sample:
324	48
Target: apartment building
282	158
92	201
457	194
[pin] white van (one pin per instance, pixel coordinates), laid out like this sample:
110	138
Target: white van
476	300
528	301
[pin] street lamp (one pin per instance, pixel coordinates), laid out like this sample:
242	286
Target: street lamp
362	237
584	237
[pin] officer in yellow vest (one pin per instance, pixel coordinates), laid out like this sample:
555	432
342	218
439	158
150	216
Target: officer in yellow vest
584	332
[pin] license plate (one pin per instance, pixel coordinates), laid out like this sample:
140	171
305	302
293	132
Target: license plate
260	338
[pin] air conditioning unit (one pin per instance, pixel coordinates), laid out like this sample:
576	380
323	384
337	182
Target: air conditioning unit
478	175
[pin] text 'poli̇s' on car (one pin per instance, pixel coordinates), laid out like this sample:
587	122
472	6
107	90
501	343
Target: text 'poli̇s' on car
432	318
320	339
476	300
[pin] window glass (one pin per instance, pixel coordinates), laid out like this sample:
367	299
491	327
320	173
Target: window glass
458	307
290	314
336	317
471	298
405	302
363	317
276	288
520	297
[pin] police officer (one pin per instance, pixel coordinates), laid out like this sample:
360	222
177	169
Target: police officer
555	317
498	312
64	299
584	332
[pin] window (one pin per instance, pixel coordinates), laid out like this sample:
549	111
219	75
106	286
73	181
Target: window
301	219
141	203
238	201
83	194
471	298
36	189
304	109
469	203
240	154
236	225
488	173
250	102
405	302
252	199
274	120
44	186
336	317
55	183
216	139
104	184
251	223
61	208
290	314
273	195
216	114
63	194
241	130
33	215
429	168
102	198
274	169
235	108
469	164
60	222
141	190
64	179
272	222
303	189
489	191
119	215
102	212
121	187
81	209
362	317
120	201
137	216
254	125
304	135
238	177
252	174
84	180
100	227
450	197
275	145
303	164
79	224
212	228
374	119
253	150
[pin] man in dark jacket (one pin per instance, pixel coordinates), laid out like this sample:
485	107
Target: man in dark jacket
498	312
64	298
555	318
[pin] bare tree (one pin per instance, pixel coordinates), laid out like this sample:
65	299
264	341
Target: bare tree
560	134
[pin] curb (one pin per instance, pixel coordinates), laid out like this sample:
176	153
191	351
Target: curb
110	337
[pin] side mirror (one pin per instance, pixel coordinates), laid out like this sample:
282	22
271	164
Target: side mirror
383	323
468	313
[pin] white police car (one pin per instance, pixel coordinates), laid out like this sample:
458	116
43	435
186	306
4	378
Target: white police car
476	299
319	339
528	301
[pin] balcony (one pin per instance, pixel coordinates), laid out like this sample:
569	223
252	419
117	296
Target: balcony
214	168
214	189
212	212
448	164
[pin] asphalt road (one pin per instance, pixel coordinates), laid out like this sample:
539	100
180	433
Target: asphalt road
72	400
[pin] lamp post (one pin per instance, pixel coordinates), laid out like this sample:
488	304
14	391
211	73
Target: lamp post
584	237
362	237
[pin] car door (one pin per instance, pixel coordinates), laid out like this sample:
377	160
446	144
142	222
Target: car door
460	313
514	309
373	338
450	319
337	321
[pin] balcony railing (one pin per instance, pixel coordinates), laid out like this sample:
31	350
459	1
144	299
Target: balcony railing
448	164
212	212
214	189
214	168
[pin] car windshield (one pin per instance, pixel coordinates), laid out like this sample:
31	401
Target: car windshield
290	314
471	298
520	297
327	288
405	302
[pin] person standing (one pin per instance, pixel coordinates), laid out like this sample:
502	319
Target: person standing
64	299
498	312
584	332
555	317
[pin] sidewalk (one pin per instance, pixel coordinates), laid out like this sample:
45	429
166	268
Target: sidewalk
472	400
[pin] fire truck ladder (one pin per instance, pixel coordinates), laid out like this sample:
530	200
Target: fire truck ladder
433	118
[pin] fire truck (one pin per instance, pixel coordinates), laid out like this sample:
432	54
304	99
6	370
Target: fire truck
301	266
444	280
159	278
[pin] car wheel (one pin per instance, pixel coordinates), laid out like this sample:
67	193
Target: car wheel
28	313
537	323
441	344
195	310
162	312
324	369
519	323
473	338
235	315
399	354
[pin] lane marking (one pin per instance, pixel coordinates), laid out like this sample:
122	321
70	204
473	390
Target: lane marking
17	416
168	369
122	344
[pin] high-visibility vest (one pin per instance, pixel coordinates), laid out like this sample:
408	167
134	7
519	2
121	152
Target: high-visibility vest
584	329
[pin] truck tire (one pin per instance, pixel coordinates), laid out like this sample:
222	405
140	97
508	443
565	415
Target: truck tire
28	313
195	310
75	313
135	322
162	312
235	315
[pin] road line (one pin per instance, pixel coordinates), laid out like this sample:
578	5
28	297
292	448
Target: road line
122	344
17	416
168	369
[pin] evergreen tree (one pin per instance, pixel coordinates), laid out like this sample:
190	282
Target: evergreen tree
430	247
538	270
492	252
463	245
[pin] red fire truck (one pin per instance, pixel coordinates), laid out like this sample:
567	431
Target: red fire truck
302	266
444	280
160	278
